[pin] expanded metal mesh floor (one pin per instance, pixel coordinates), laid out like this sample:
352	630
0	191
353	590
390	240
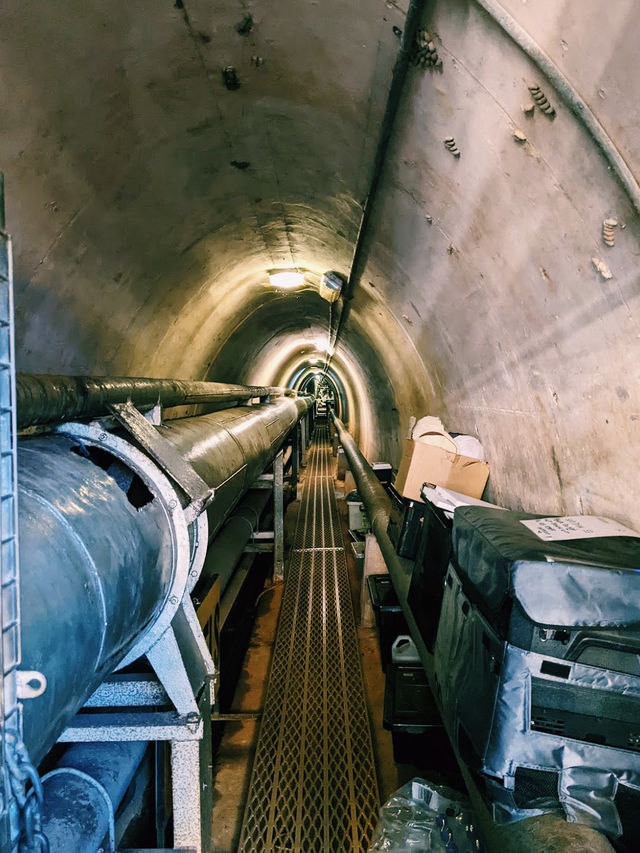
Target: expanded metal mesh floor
313	785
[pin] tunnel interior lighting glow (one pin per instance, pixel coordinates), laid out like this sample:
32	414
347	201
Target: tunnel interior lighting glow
286	279
322	345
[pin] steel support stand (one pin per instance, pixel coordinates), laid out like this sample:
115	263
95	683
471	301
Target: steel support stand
185	677
278	516
303	442
191	781
158	792
296	449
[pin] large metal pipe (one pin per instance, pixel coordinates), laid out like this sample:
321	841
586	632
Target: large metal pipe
227	547
95	572
94	777
229	449
102	568
372	494
46	399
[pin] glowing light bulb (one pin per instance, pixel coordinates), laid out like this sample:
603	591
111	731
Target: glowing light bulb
286	279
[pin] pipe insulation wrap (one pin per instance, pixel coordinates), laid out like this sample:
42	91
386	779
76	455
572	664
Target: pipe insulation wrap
99	575
377	502
45	399
228	546
230	448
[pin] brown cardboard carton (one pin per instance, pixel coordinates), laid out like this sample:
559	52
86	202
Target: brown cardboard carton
424	463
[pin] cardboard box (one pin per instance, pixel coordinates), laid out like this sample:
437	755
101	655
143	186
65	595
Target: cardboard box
424	463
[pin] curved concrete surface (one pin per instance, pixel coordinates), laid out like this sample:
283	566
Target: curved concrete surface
148	201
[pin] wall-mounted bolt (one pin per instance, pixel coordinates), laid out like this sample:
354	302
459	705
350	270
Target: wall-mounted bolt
450	144
173	599
519	136
230	77
541	101
609	231
102	436
429	218
193	721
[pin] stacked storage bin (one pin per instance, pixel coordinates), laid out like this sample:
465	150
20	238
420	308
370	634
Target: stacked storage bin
387	610
537	662
410	711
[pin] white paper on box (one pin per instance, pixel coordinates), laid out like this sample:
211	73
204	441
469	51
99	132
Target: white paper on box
576	527
448	500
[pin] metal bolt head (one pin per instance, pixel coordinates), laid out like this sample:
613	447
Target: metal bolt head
173	599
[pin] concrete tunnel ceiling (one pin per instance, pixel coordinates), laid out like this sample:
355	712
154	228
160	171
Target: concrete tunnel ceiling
148	201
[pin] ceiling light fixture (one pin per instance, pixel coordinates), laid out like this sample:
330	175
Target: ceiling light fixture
286	279
331	285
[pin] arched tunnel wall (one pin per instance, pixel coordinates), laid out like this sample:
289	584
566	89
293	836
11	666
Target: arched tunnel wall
148	201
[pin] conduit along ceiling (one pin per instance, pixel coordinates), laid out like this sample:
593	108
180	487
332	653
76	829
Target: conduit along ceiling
162	157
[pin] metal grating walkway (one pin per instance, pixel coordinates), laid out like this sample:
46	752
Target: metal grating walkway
313	786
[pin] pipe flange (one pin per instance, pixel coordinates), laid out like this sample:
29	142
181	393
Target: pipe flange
199	541
93	434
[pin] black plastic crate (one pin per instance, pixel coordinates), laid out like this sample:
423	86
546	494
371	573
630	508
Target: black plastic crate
390	621
410	713
405	524
383	471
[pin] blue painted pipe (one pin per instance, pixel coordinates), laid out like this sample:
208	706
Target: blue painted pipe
83	793
93	573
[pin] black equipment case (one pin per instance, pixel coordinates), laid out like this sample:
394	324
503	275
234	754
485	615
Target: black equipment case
537	664
427	578
387	610
405	523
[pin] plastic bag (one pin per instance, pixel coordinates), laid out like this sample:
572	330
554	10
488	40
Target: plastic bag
469	445
423	817
429	430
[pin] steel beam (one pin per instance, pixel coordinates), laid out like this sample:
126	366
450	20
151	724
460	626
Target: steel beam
278	517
